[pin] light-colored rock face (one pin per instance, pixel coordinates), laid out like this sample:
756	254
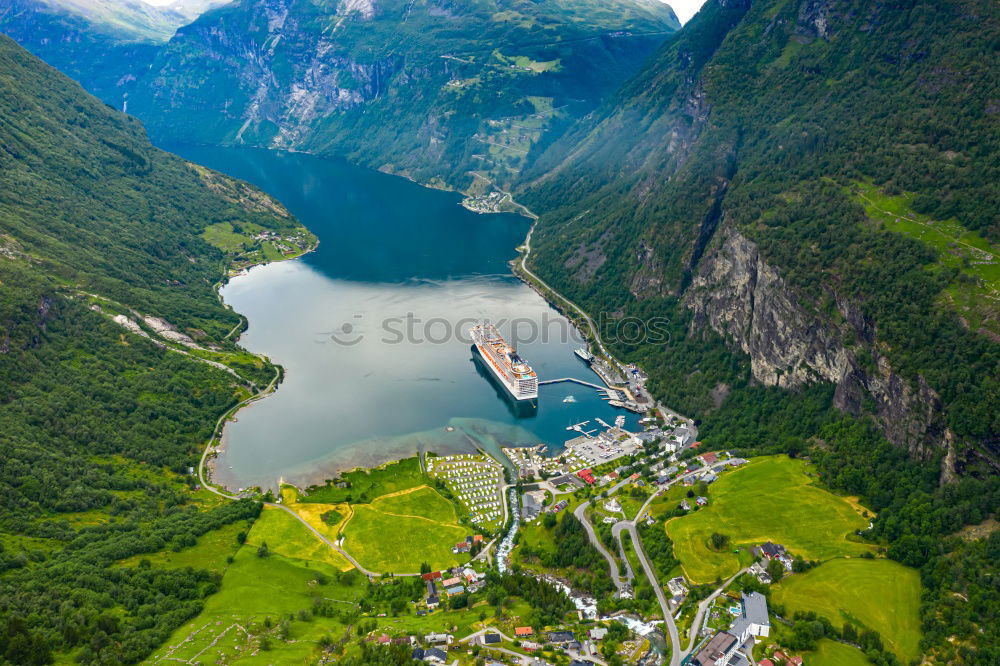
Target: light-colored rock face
738	295
364	7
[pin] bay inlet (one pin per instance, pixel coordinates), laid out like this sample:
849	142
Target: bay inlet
372	328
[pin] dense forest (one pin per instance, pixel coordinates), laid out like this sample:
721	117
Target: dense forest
764	120
98	426
785	125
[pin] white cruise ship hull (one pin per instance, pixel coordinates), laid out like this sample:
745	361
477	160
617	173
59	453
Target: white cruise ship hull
520	384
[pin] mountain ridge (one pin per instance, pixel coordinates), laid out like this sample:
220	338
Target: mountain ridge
679	176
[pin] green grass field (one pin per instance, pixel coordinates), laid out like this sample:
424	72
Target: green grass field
366	485
422	501
209	553
832	653
957	247
223	236
877	594
769	499
400	543
286	536
230	627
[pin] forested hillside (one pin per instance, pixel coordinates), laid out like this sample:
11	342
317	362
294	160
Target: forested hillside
432	89
808	191
103	44
99	421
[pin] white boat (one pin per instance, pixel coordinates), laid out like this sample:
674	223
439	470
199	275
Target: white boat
512	371
584	354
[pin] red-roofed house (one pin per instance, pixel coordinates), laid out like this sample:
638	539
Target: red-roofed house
765	662
709	458
432	575
696	445
793	661
634	477
587	475
523	631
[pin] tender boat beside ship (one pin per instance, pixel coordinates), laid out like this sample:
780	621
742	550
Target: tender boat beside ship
513	372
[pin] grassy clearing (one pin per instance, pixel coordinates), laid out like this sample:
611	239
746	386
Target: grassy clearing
423	501
209	553
256	591
398	543
223	236
365	485
769	499
977	296
832	653
876	594
286	536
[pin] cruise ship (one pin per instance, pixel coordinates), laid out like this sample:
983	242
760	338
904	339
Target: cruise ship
512	371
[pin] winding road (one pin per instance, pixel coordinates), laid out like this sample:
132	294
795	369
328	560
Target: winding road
580	513
675	642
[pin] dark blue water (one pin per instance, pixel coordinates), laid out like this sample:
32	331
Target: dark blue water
372	328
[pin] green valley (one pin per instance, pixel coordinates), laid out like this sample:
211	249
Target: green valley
770	499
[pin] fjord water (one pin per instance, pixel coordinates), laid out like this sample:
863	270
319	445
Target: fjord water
371	328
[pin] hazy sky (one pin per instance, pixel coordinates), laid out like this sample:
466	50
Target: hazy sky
685	9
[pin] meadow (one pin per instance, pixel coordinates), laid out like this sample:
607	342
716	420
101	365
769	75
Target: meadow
396	543
243	620
772	498
367	484
874	594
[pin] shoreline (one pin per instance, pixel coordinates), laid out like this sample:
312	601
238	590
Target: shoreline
518	268
210	452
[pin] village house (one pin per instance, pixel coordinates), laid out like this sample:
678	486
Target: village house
718	651
523	631
438	639
598	633
753	619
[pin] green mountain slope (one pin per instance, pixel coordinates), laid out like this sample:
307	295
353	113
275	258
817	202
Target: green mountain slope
103	44
102	407
432	89
808	191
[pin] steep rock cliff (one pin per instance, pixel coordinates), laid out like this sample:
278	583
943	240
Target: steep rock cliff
765	182
739	296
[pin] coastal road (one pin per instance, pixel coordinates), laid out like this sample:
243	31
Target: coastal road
664	412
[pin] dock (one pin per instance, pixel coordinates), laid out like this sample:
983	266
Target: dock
574	380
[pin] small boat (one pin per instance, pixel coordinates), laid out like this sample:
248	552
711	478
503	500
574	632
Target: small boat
569	398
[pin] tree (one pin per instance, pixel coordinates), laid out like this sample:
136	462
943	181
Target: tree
775	569
719	541
262	551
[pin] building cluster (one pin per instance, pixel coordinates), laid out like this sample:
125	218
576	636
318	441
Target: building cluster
734	647
465	546
459	581
475	480
765	553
